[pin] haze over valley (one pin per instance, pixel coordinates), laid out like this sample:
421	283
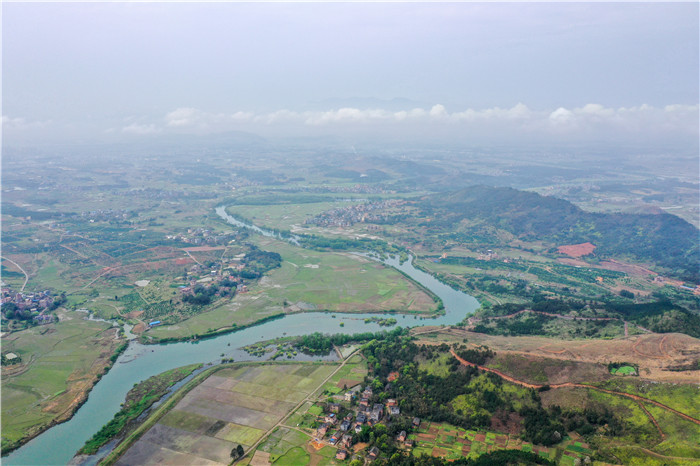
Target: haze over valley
405	234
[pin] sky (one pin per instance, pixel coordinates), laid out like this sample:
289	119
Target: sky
515	73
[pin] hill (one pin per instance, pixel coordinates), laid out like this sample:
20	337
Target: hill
664	239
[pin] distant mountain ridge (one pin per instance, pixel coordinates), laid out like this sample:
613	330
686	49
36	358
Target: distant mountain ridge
664	239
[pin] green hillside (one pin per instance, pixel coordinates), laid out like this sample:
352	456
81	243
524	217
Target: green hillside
664	239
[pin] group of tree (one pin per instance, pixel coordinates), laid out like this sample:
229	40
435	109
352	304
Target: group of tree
435	397
321	343
665	239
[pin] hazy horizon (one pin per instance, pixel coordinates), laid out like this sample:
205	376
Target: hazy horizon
532	74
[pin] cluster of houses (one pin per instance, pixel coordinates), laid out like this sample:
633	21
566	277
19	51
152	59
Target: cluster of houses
358	213
356	189
215	278
32	307
163	194
339	429
106	215
35	302
203	236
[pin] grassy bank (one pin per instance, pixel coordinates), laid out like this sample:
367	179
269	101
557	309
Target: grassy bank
138	400
61	363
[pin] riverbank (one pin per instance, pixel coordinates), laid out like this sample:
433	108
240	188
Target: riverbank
138	401
145	340
164	409
140	362
72	397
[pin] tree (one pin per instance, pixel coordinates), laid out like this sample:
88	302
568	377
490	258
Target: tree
237	452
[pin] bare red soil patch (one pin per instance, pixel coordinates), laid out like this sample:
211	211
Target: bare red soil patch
577	250
347	383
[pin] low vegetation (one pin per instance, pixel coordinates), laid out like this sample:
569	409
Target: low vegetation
138	400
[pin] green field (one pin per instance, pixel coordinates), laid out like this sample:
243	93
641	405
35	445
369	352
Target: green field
282	216
355	369
235	405
624	370
310	280
341	282
450	442
683	397
60	362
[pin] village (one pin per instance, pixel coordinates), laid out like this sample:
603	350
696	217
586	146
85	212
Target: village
203	236
349	419
358	213
31	307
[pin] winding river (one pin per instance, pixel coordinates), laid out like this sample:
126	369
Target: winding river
58	444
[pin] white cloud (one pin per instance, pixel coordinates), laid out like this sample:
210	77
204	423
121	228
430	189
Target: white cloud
188	117
438	111
20	124
185	116
588	122
519	114
561	116
136	128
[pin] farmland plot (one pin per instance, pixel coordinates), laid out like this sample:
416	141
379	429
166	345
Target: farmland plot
235	406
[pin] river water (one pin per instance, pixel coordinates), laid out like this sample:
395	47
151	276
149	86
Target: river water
58	444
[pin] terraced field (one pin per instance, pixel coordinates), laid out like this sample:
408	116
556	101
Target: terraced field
450	442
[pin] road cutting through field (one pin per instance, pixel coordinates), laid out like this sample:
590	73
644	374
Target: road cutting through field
574	385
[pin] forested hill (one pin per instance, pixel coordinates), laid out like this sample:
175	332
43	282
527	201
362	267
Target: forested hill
664	239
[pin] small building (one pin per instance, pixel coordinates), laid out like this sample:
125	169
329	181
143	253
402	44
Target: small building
408	443
11	356
341	455
391	402
416	422
402	436
394	410
154	323
344	426
348	396
373	453
361	418
334	408
358	428
346	440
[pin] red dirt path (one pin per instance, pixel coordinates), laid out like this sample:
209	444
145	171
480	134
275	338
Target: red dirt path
637	398
577	250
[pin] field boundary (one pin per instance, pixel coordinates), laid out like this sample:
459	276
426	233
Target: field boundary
162	410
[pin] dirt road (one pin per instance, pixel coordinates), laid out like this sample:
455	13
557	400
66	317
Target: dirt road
575	385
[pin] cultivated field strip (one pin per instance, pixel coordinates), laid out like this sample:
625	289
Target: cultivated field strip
236	406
